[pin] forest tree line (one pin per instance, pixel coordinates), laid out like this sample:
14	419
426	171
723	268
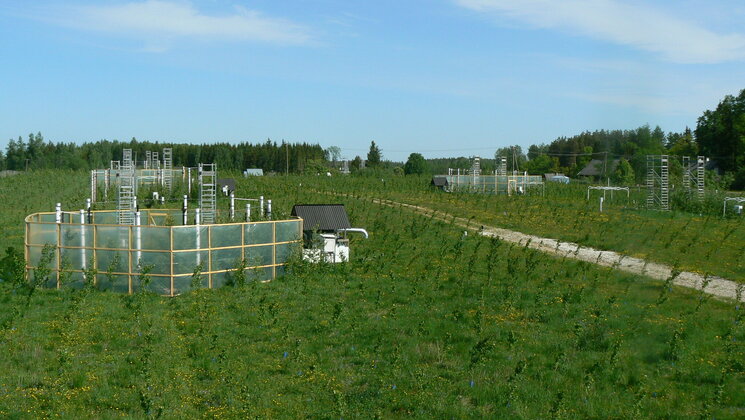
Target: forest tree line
36	153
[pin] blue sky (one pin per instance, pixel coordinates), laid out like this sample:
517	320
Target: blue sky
440	77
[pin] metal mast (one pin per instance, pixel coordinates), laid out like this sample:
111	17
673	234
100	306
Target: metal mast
658	182
168	168
127	193
208	191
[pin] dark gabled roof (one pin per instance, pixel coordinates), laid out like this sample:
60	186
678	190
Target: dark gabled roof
230	182
322	217
439	181
595	168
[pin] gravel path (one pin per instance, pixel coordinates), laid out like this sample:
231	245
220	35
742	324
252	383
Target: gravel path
713	285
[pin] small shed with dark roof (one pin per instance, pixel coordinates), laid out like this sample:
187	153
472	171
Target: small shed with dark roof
226	182
440	182
322	217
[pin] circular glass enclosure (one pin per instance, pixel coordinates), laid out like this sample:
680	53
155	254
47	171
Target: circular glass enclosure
159	254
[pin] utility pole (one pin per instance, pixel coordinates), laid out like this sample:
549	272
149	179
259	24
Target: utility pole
287	159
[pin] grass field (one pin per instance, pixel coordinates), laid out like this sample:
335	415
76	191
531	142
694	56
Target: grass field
703	243
422	322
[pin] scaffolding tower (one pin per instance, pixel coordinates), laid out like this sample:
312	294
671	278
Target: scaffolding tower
694	175
168	168
501	166
127	190
658	182
207	192
476	167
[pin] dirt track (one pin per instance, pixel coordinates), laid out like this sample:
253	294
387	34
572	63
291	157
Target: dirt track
716	286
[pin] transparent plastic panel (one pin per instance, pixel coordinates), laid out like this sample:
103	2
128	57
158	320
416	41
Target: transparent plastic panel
159	262
71	280
285	251
112	237
76	259
41	234
259	255
186	262
159	285
74	235
183	284
115	283
258	233
225	259
259	274
190	237
112	261
288	231
227	235
105	218
153	238
219	279
49	218
35	254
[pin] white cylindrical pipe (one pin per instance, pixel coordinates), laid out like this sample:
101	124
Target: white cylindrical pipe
269	209
601	204
188	178
261	206
82	239
184	209
248	212
232	207
134	204
199	235
89	210
138	237
58	213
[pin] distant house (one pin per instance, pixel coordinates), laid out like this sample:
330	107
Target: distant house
253	172
550	175
440	182
595	168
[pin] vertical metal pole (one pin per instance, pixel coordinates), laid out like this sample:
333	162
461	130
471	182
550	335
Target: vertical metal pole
261	206
269	209
601	204
232	206
199	235
185	218
138	239
88	208
189	182
82	241
248	212
58	213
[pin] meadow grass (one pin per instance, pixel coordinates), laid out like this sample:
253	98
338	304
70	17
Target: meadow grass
422	322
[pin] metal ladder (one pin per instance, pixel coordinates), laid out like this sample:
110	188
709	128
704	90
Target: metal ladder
651	175
168	168
664	183
700	176
208	192
127	192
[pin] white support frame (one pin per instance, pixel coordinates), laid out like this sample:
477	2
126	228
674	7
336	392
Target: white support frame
608	188
736	200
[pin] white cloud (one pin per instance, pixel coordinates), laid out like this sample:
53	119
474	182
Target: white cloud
638	26
158	22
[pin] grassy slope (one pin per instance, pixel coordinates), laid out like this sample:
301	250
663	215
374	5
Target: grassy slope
703	244
421	323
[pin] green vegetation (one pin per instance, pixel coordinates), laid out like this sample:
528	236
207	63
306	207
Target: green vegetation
702	242
423	322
